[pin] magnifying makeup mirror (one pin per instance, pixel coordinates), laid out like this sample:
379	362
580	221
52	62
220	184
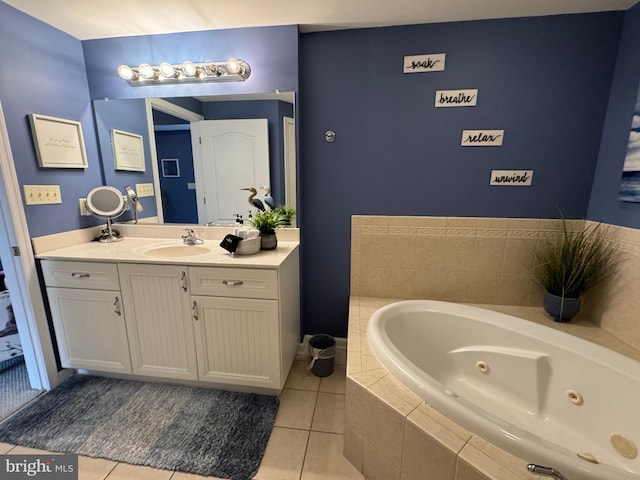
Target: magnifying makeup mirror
106	202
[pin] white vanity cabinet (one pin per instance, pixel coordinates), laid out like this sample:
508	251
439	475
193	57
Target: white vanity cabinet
230	324
87	314
158	315
236	325
246	323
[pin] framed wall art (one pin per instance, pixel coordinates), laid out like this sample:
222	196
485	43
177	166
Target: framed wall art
170	167
128	151
58	142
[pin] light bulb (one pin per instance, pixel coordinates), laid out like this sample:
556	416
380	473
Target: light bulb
233	65
146	71
189	69
125	72
166	70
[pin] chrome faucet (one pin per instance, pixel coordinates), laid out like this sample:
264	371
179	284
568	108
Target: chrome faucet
546	471
189	237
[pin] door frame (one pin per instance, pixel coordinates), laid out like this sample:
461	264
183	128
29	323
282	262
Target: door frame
18	262
176	111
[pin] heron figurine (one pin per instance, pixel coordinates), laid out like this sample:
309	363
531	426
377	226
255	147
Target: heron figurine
253	201
268	199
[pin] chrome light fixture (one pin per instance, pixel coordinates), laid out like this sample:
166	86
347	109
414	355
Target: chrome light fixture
232	70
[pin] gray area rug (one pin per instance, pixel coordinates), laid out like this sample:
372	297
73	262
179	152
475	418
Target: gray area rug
173	427
15	389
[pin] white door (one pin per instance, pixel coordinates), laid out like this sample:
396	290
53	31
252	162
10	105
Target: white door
229	155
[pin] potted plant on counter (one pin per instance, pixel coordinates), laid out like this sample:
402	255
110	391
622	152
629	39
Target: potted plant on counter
267	222
572	264
287	212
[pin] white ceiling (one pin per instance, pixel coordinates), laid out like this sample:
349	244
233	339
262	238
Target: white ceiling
87	19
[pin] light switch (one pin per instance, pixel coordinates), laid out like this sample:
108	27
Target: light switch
41	194
144	189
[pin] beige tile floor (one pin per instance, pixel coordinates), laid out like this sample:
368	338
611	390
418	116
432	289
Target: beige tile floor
306	442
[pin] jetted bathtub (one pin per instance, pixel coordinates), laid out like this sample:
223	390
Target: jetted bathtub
542	395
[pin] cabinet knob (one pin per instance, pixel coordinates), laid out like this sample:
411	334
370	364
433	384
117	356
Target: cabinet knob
80	275
183	281
232	283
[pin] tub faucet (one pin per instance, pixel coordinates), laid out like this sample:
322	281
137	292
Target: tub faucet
189	237
546	471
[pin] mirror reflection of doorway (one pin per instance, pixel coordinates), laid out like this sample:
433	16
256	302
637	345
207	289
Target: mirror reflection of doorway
229	155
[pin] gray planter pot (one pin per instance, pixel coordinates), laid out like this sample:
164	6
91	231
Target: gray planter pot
268	241
561	309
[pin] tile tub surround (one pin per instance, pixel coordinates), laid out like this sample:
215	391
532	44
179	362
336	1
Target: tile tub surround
392	434
484	260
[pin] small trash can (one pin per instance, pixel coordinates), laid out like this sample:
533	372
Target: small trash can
322	349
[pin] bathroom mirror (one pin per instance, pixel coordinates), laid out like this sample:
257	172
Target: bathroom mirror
167	135
108	203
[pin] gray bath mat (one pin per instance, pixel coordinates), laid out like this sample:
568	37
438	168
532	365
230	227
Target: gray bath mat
172	427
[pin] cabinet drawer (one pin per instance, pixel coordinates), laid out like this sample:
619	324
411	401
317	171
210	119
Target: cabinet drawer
233	282
87	275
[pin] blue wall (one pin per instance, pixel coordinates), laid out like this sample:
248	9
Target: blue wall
604	205
178	201
129	116
43	71
544	80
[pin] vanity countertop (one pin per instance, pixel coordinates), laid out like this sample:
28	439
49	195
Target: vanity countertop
136	250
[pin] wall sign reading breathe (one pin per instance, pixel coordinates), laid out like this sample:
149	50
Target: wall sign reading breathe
456	98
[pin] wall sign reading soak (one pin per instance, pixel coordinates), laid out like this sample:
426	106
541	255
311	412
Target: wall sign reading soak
482	138
430	62
521	178
456	98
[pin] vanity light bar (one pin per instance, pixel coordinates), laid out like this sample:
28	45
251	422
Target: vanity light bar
231	70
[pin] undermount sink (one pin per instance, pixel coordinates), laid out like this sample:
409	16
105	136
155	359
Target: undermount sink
177	251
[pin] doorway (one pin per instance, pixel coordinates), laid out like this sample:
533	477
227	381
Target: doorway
20	278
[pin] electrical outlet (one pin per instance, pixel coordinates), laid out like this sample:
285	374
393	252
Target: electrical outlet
42	194
84	211
144	189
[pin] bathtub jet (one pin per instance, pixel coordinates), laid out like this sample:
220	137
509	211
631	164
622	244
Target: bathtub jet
540	394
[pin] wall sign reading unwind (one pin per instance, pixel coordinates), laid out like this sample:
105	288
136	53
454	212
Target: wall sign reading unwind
522	178
482	138
456	98
430	62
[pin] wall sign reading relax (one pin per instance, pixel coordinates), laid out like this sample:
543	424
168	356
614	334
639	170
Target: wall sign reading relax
482	138
430	62
520	178
456	98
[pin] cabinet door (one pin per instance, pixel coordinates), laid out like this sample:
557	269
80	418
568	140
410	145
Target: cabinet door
158	314
237	340
90	329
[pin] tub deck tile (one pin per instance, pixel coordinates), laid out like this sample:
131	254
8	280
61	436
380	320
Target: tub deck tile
396	395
